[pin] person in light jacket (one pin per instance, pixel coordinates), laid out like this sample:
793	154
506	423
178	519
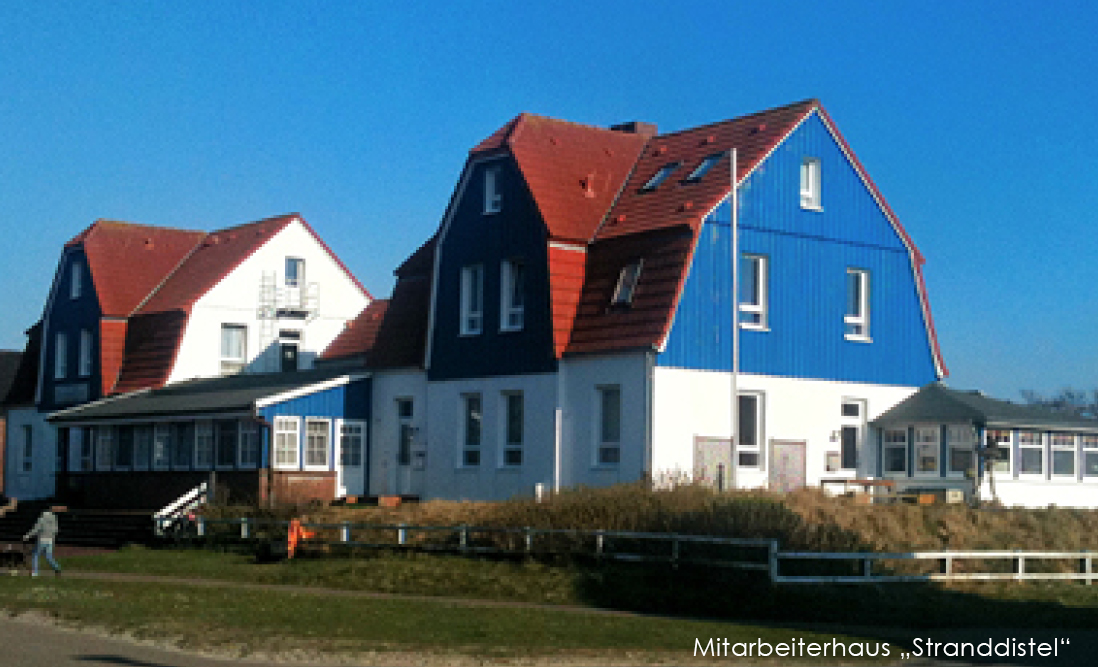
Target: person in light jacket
45	529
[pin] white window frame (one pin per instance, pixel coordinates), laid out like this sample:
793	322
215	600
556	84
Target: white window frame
512	441
626	287
286	452
405	430
60	356
512	296
142	446
811	182
204	445
856	422
352	443
472	300
298	278
162	446
324	432
233	361
754	447
894	439
924	436
1061	442
76	279
248	445
84	368
753	315
1004	439
856	324
960	437
493	198
607	451
1026	444
1088	448
471	427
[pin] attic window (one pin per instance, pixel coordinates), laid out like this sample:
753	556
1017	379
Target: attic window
493	198
703	168
627	284
661	176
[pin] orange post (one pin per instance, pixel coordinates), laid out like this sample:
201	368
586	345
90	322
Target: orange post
296	534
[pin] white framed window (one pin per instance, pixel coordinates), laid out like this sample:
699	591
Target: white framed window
60	356
608	452
750	431
895	452
810	184
352	436
472	300
182	445
142	446
961	444
76	279
1063	454
927	451
1031	453
626	286
1000	442
228	434
753	291
249	444
295	272
28	448
472	429
104	447
512	298
85	365
703	167
513	411
317	443
203	444
660	176
87	451
234	348
1088	443
287	435
405	430
162	446
493	198
857	304
852	414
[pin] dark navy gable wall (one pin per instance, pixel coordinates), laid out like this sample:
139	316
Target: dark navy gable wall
808	254
515	232
71	316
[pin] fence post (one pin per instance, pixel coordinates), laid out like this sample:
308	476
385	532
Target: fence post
402	535
464	538
200	526
245	528
675	551
345	532
1019	567
772	560
599	543
1085	565
867	567
528	538
946	566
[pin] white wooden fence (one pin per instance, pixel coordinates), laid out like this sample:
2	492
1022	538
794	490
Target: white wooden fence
759	554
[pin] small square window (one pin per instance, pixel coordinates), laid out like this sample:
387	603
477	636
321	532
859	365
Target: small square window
810	183
234	346
660	176
703	167
627	284
295	272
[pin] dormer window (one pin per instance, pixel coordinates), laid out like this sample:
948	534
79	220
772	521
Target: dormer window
703	168
661	176
627	284
493	198
512	297
295	272
76	280
810	184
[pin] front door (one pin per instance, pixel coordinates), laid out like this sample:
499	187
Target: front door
409	461
352	457
787	465
713	462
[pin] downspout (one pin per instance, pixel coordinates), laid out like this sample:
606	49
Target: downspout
735	411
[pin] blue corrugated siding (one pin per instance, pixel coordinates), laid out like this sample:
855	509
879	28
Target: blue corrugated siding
808	254
350	401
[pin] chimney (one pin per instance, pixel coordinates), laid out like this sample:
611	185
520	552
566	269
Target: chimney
636	127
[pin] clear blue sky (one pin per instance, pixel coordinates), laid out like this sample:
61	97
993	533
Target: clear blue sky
974	119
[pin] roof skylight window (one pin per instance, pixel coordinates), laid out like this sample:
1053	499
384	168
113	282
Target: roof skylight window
703	168
627	284
661	176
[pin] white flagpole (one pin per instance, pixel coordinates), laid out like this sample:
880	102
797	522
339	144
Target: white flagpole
734	204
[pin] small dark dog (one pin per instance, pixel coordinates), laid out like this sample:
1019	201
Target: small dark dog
13	556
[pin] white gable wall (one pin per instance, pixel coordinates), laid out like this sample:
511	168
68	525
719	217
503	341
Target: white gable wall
235	300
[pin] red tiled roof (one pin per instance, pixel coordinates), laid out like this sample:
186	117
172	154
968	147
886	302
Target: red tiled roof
127	261
25	383
358	335
390	333
152	340
573	171
677	202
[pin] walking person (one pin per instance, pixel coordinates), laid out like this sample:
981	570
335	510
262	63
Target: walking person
45	529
